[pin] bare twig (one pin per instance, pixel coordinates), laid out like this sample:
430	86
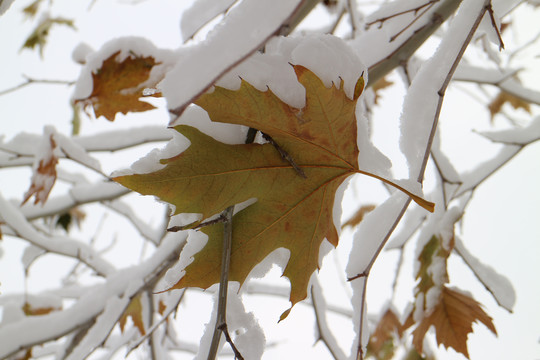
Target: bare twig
414	10
223	328
395	36
221	218
30	81
494	24
221	318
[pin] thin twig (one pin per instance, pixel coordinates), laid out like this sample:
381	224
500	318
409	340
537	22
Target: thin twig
221	218
154	326
221	318
395	36
30	81
412	10
494	24
285	155
225	330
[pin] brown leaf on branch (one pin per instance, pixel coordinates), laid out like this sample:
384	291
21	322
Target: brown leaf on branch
292	211
44	175
29	310
496	105
452	317
381	342
358	216
117	86
39	36
134	311
380	85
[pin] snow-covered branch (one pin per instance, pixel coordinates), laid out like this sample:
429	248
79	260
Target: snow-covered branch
14	218
122	284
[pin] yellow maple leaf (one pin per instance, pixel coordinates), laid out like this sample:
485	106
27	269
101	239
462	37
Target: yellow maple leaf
117	86
292	211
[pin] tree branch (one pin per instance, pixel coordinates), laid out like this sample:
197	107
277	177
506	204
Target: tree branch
322	326
30	81
58	245
420	177
92	303
221	318
405	50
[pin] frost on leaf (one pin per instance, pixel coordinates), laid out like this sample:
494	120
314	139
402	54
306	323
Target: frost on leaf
44	175
292	211
452	319
118	85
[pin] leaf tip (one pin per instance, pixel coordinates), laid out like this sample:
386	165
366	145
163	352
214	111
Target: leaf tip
359	87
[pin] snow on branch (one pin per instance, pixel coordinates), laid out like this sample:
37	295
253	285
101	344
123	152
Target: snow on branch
517	136
423	101
78	195
504	79
498	285
413	32
202	64
124	283
56	244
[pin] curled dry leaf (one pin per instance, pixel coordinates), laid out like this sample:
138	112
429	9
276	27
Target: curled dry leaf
44	175
117	86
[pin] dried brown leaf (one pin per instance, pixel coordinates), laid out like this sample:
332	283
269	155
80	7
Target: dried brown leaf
44	175
378	86
358	216
381	342
496	105
32	311
452	319
134	311
117	86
